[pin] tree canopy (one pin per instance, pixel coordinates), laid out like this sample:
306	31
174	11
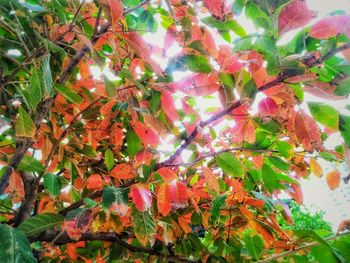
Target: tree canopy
107	154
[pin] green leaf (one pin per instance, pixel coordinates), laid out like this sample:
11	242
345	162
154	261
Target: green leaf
323	254
154	103
285	149
225	25
110	87
216	206
14	246
25	126
238	6
195	63
52	184
344	128
68	94
269	6
254	245
249	90
267	46
230	164
278	163
144	226
133	142
40	223
30	164
343	88
269	178
109	159
36	87
324	114
112	195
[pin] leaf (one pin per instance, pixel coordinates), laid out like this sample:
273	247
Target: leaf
324	114
211	180
77	222
216	206
30	164
230	164
122	171
333	179
109	159
331	27
144	227
36	87
14	246
225	25
215	7
40	223
344	128
24	125
315	167
343	88
294	15
94	182
52	184
254	245
116	12
112	195
163	203
249	90
177	194
307	131
133	142
268	107
146	134
68	94
194	63
278	163
141	196
269	178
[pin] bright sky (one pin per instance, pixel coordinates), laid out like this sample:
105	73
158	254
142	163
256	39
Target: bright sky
317	195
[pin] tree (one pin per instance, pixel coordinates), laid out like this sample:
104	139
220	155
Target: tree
85	177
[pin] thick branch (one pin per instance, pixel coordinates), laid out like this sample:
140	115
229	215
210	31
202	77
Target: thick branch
105	236
280	78
303	247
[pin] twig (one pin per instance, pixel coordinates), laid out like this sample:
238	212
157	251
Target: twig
106	236
303	247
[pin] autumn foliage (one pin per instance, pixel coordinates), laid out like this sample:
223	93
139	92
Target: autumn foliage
107	154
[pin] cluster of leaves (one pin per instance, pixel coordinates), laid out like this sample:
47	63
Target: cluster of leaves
85	177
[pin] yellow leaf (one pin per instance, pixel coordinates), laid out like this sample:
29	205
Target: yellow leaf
315	167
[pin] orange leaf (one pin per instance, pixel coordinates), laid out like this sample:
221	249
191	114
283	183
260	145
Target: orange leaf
77	222
178	196
94	181
333	179
116	12
164	206
211	180
146	134
122	171
315	167
167	174
141	196
184	222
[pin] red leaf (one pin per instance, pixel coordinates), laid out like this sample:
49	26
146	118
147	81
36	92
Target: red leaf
142	49
146	134
167	174
216	8
77	222
295	15
178	196
122	171
94	181
229	61
268	107
331	27
141	196
164	206
333	179
169	106
197	84
307	131
323	90
244	130
116	8
297	194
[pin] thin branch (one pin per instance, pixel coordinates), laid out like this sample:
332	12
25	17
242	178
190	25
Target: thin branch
303	247
279	79
106	236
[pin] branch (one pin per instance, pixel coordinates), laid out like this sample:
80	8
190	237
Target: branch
45	105
295	250
48	236
279	79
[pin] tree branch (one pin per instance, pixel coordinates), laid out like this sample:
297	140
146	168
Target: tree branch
303	247
48	236
279	79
